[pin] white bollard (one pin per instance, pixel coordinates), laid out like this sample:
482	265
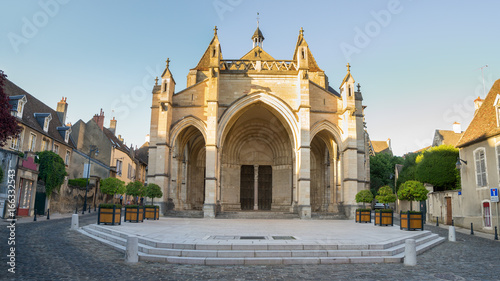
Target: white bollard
132	251
451	234
410	252
74	222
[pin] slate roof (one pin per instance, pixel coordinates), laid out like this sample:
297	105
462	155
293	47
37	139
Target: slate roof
32	106
142	154
115	141
484	123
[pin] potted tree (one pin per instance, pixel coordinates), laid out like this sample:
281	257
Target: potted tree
412	191
134	213
364	214
151	211
111	213
385	216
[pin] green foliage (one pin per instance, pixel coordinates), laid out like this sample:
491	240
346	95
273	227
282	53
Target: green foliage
81	182
382	170
1	174
364	196
437	167
409	169
383	210
112	186
151	206
52	170
152	191
135	188
363	210
385	195
412	191
110	206
133	207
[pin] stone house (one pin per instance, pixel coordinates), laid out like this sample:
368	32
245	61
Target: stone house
258	134
42	129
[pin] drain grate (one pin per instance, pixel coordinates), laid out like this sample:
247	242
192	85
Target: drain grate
283	238
252	237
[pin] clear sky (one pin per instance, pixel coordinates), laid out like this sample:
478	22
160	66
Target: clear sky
418	62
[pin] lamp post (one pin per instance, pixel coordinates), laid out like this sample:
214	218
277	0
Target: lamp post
92	149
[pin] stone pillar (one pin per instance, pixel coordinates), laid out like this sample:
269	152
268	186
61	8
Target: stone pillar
132	250
256	187
304	166
410	252
211	162
74	222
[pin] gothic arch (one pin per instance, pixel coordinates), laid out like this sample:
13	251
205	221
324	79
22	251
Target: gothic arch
331	128
186	122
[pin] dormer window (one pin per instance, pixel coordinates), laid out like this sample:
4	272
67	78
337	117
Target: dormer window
65	132
17	103
46	123
66	135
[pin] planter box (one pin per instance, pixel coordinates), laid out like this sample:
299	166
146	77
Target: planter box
384	218
109	216
412	221
363	216
134	214
152	213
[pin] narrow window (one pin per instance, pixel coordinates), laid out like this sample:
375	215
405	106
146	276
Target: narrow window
480	160
486	214
66	159
32	142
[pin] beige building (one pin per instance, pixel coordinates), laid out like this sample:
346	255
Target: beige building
258	133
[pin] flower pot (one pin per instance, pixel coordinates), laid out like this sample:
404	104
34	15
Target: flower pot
412	220
134	214
152	213
384	218
109	215
364	216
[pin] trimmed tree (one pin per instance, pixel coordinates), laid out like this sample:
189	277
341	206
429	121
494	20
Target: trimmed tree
135	189
153	191
385	195
9	127
112	186
364	196
52	170
412	191
437	166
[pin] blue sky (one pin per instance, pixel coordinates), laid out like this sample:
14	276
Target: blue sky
418	62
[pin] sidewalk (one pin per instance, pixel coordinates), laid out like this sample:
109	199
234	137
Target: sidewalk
489	236
53	216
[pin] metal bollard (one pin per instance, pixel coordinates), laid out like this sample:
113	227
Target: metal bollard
48	214
471	229
452	223
76	209
437	221
34	219
496	233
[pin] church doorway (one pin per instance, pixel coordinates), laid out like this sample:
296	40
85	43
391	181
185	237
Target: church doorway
256	185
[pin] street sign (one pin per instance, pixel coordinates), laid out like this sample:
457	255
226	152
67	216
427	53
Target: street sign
494	194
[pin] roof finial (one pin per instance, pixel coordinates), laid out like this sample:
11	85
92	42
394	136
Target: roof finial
302	31
359	87
258	19
168	62
215	30
156	82
348	67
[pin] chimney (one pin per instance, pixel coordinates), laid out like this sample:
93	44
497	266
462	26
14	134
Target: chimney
457	128
147	138
120	138
112	125
99	119
477	104
62	109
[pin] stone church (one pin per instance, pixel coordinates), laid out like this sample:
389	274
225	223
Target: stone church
258	134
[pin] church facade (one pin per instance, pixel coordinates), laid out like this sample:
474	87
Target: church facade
258	133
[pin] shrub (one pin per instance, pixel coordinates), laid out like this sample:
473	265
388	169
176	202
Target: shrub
364	196
135	189
110	206
412	191
52	170
385	195
78	182
132	206
152	191
112	186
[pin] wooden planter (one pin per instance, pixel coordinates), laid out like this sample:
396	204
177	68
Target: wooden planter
134	214
384	218
152	213
412	221
363	216
109	215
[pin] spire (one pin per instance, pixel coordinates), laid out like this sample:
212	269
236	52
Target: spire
348	68
215	30
258	37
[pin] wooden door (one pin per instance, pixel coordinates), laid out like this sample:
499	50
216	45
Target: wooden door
265	187
247	187
449	215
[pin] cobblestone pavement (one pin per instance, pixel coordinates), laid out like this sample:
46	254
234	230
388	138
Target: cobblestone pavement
48	250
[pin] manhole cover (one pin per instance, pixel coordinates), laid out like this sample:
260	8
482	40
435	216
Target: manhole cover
283	238
252	237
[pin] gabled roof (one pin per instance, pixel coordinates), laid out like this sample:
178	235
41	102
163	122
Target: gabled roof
204	62
301	41
448	137
32	106
115	141
257	53
484	123
381	147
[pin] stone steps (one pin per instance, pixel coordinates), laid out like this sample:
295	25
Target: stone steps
263	252
256	215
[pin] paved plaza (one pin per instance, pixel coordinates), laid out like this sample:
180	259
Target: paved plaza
49	250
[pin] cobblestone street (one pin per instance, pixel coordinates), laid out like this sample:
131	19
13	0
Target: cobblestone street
49	250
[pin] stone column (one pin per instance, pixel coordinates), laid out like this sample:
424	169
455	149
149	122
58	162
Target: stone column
256	187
